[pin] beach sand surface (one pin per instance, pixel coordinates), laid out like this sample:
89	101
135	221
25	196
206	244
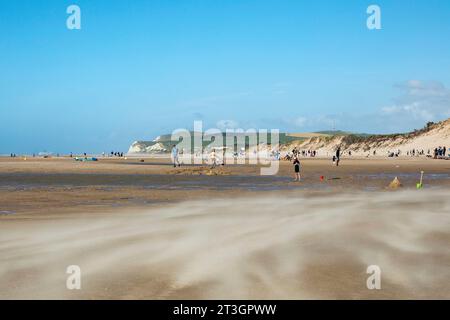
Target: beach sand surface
144	230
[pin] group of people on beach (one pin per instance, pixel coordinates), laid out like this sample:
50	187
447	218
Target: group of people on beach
115	154
440	152
214	159
296	153
436	153
304	153
415	152
112	154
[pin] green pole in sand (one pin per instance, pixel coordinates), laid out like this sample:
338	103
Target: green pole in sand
420	185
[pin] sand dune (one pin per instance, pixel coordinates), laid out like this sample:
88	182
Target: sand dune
426	139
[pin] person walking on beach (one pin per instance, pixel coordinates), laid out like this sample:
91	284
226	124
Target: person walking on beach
213	158
175	156
296	164
338	156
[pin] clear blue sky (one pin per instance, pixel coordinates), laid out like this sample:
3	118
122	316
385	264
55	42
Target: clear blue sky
140	68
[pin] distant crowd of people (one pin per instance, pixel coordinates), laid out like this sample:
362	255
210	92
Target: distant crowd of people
295	153
415	152
114	154
439	152
392	154
436	153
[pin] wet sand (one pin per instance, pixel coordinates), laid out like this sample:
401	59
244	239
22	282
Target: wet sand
149	231
51	186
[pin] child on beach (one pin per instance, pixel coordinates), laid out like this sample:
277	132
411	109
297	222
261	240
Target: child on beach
296	164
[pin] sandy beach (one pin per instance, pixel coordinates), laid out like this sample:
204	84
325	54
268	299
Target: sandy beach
224	150
146	230
38	187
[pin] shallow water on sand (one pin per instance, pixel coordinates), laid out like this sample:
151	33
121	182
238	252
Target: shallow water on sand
261	247
160	182
26	182
428	176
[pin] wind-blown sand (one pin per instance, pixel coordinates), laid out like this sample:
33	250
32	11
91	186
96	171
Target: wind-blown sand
141	230
265	248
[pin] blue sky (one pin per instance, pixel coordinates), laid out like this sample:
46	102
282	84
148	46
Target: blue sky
140	68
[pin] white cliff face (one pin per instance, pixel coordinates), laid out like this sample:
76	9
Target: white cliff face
136	147
143	147
157	147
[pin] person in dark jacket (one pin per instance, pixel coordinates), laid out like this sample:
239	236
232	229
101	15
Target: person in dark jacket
338	155
296	164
